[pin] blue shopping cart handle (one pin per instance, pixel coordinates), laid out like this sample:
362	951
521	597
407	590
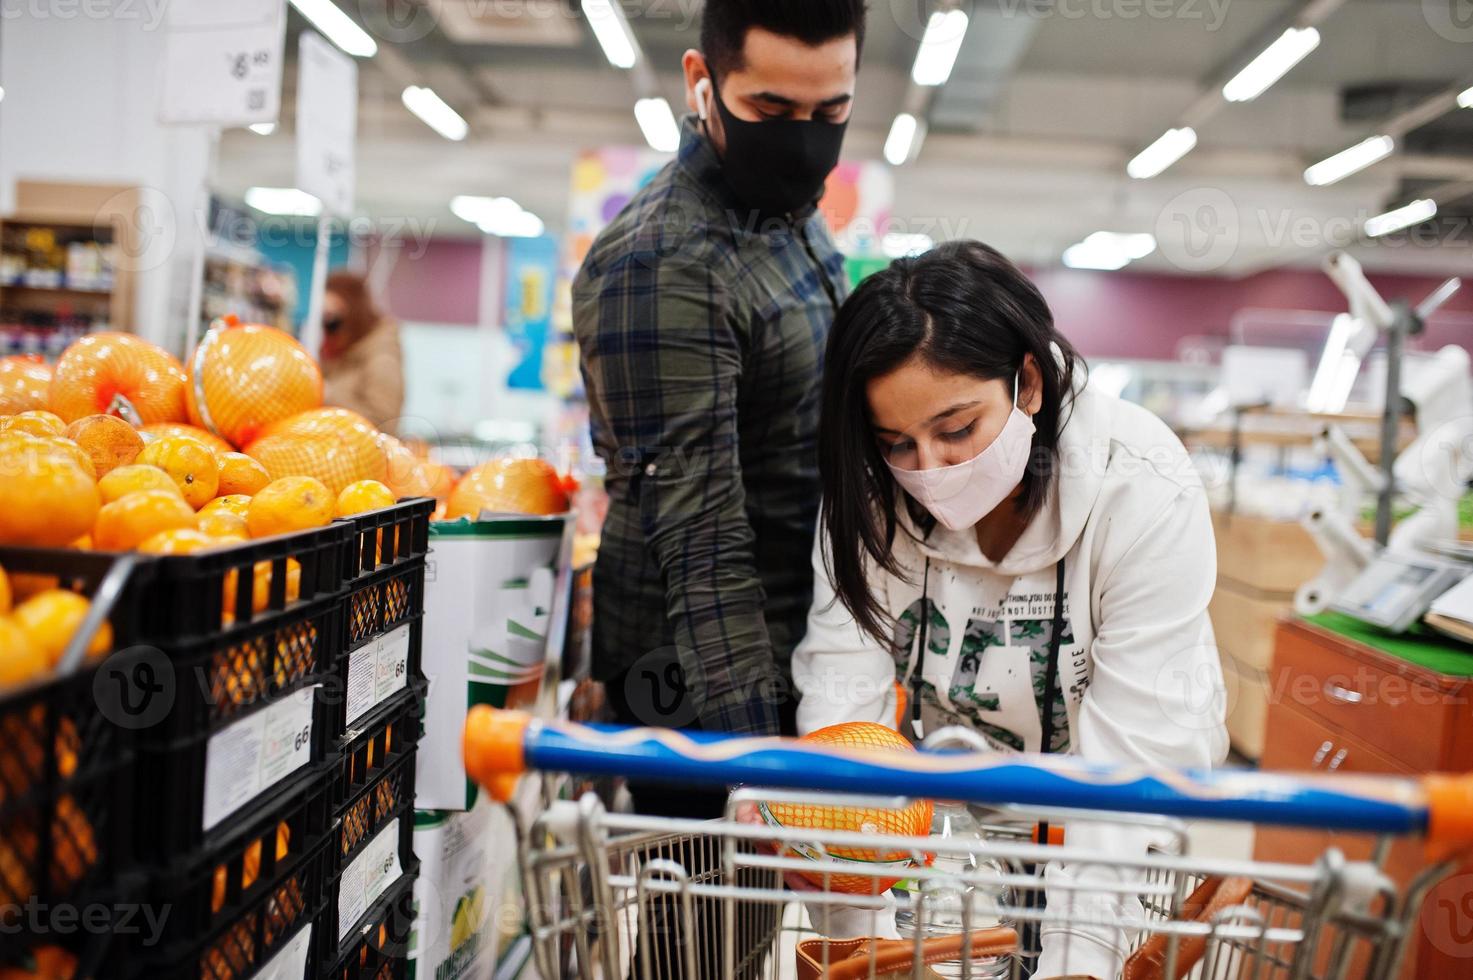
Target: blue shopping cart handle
501	745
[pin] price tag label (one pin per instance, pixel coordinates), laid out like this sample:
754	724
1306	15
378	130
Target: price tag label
222	62
255	753
327	123
291	962
369	875
377	671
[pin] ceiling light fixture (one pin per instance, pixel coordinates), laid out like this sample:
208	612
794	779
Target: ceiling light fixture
1169	148
1109	250
283	200
340	29
1403	217
1349	161
499	216
940	46
435	113
1272	64
658	124
1465	98
612	32
902	143
263	129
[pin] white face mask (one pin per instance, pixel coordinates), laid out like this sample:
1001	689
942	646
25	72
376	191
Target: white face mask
959	496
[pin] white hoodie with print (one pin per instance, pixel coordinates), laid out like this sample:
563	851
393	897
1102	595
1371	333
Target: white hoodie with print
1138	665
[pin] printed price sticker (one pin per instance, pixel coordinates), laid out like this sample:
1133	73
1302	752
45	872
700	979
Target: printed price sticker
377	671
254	754
222	62
366	879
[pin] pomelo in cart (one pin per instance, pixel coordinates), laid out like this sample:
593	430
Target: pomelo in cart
883	866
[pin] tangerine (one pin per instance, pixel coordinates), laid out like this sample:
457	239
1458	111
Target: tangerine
191	464
129	521
53	617
46	500
135	478
21	660
293	503
241	475
108	441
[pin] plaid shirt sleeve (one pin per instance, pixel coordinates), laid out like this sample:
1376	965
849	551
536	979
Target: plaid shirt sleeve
663	361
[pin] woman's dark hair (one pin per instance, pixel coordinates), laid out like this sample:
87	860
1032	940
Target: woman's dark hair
962	308
362	313
725	23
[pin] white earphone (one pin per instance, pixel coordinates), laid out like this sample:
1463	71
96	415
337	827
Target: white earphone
703	89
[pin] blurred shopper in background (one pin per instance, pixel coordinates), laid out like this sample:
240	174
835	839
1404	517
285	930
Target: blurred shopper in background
362	362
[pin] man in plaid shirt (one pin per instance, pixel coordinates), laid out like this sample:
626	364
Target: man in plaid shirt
702	314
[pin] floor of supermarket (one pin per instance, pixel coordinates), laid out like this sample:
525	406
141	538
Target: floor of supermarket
736	489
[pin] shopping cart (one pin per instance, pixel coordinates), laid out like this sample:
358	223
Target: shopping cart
611	895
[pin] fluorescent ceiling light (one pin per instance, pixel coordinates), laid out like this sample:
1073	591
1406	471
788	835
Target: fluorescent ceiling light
340	29
283	200
1083	257
612	31
1169	148
263	129
898	245
1465	98
435	113
658	124
1272	64
1402	217
940	45
1109	250
901	144
1349	161
499	216
2	93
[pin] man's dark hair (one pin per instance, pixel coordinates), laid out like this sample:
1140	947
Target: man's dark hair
725	24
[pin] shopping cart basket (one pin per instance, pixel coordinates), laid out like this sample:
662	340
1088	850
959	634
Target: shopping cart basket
612	895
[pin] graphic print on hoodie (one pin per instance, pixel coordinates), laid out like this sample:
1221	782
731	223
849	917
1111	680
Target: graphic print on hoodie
1003	656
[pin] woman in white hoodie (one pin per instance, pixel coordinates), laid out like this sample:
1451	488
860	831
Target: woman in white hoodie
1030	558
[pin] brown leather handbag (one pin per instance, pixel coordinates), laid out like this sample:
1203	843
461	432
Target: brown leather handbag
893	959
1210	898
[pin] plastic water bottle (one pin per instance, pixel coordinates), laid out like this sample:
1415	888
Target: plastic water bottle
946	899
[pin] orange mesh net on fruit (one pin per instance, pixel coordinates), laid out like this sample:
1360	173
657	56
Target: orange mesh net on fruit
118	374
333	445
913	820
244	379
25	384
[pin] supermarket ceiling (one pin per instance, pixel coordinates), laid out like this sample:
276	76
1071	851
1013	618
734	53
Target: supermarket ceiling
1027	142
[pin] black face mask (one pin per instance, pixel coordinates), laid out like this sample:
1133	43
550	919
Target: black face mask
779	166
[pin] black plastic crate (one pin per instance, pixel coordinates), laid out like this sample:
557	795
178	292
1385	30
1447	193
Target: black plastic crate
384	537
373	793
379	948
234	655
66	768
237	904
383	610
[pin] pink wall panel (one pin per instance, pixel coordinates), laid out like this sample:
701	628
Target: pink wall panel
442	285
1145	315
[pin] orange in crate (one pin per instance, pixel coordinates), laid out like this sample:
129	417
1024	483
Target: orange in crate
913	820
333	445
165	430
244	379
25	384
118	374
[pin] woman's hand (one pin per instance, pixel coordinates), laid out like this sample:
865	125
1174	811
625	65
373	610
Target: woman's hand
747	813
